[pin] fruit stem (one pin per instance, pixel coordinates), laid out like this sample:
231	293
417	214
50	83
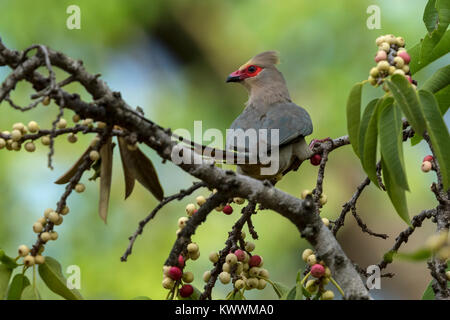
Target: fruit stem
305	278
337	286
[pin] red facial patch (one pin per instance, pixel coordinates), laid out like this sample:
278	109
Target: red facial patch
247	72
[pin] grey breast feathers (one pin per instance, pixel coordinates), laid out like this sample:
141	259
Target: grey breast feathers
292	122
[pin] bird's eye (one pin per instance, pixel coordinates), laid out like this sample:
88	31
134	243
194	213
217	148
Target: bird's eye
251	69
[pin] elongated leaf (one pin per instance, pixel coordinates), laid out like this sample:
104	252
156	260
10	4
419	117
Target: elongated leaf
430	16
438	132
5	275
418	255
391	142
395	193
280	289
370	140
140	168
65	178
367	115
440	49
127	173
354	115
439	80
443	99
18	283
51	274
237	296
290	295
30	293
407	99
8	261
106	154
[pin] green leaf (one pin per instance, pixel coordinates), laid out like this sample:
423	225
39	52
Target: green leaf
5	275
51	274
416	139
280	289
436	18
18	283
389	256
298	291
406	97
420	60
141	298
8	261
237	296
369	140
443	99
418	255
438	81
438	132
290	295
430	16
367	115
390	127
30	293
395	193
354	115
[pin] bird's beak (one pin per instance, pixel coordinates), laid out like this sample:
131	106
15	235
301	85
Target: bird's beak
234	77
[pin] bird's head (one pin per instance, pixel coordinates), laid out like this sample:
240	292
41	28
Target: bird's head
260	76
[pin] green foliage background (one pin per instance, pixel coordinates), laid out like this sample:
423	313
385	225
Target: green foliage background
171	58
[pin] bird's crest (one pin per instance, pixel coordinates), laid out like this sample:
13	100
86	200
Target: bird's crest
263	59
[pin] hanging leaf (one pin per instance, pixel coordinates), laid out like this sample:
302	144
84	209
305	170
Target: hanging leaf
390	127
237	296
5	275
8	261
438	132
440	49
367	115
430	16
395	193
406	97
418	255
369	141
280	289
290	295
51	274
30	293
354	115
439	80
443	100
18	284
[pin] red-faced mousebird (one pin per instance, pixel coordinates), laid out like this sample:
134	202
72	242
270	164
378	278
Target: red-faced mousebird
269	107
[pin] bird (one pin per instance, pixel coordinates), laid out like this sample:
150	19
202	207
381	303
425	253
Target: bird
269	106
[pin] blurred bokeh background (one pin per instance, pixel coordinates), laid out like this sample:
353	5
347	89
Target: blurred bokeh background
171	58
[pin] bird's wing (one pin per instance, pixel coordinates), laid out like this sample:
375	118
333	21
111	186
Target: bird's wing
291	120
